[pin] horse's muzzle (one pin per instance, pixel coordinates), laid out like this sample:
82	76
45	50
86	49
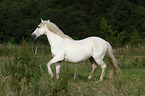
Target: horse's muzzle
34	36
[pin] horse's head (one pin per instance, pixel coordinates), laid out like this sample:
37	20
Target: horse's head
40	30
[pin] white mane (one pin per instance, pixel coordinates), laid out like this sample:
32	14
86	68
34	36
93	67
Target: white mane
53	28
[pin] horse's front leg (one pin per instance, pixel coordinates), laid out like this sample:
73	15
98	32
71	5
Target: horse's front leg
57	70
54	60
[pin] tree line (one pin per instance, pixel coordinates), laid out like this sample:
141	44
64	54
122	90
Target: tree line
117	21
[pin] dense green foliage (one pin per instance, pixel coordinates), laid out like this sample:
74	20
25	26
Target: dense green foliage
117	21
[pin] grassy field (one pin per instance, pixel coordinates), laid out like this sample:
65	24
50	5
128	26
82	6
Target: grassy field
22	73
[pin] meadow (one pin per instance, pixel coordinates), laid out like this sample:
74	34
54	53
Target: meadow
24	73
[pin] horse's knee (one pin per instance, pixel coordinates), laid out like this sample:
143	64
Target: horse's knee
101	63
94	66
48	64
104	66
57	76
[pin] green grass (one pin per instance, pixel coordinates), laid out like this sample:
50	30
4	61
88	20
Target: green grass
25	74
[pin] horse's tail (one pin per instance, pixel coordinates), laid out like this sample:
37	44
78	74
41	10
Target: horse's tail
112	60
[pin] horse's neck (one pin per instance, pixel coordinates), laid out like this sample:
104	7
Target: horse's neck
54	39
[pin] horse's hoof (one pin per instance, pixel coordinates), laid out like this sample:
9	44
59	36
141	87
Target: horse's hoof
53	77
100	80
90	77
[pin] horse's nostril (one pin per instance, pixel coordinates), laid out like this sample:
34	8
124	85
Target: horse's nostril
33	36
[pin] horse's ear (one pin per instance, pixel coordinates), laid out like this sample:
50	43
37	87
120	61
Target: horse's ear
49	20
41	20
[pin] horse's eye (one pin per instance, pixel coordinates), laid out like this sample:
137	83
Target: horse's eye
38	26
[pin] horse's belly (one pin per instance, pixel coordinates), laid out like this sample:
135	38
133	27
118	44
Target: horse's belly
76	59
78	55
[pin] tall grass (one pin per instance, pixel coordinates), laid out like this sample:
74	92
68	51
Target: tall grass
129	56
22	73
25	73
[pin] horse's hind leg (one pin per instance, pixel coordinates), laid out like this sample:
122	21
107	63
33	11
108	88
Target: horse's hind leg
103	66
94	67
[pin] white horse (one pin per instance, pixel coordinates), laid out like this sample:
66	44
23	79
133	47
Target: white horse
65	48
